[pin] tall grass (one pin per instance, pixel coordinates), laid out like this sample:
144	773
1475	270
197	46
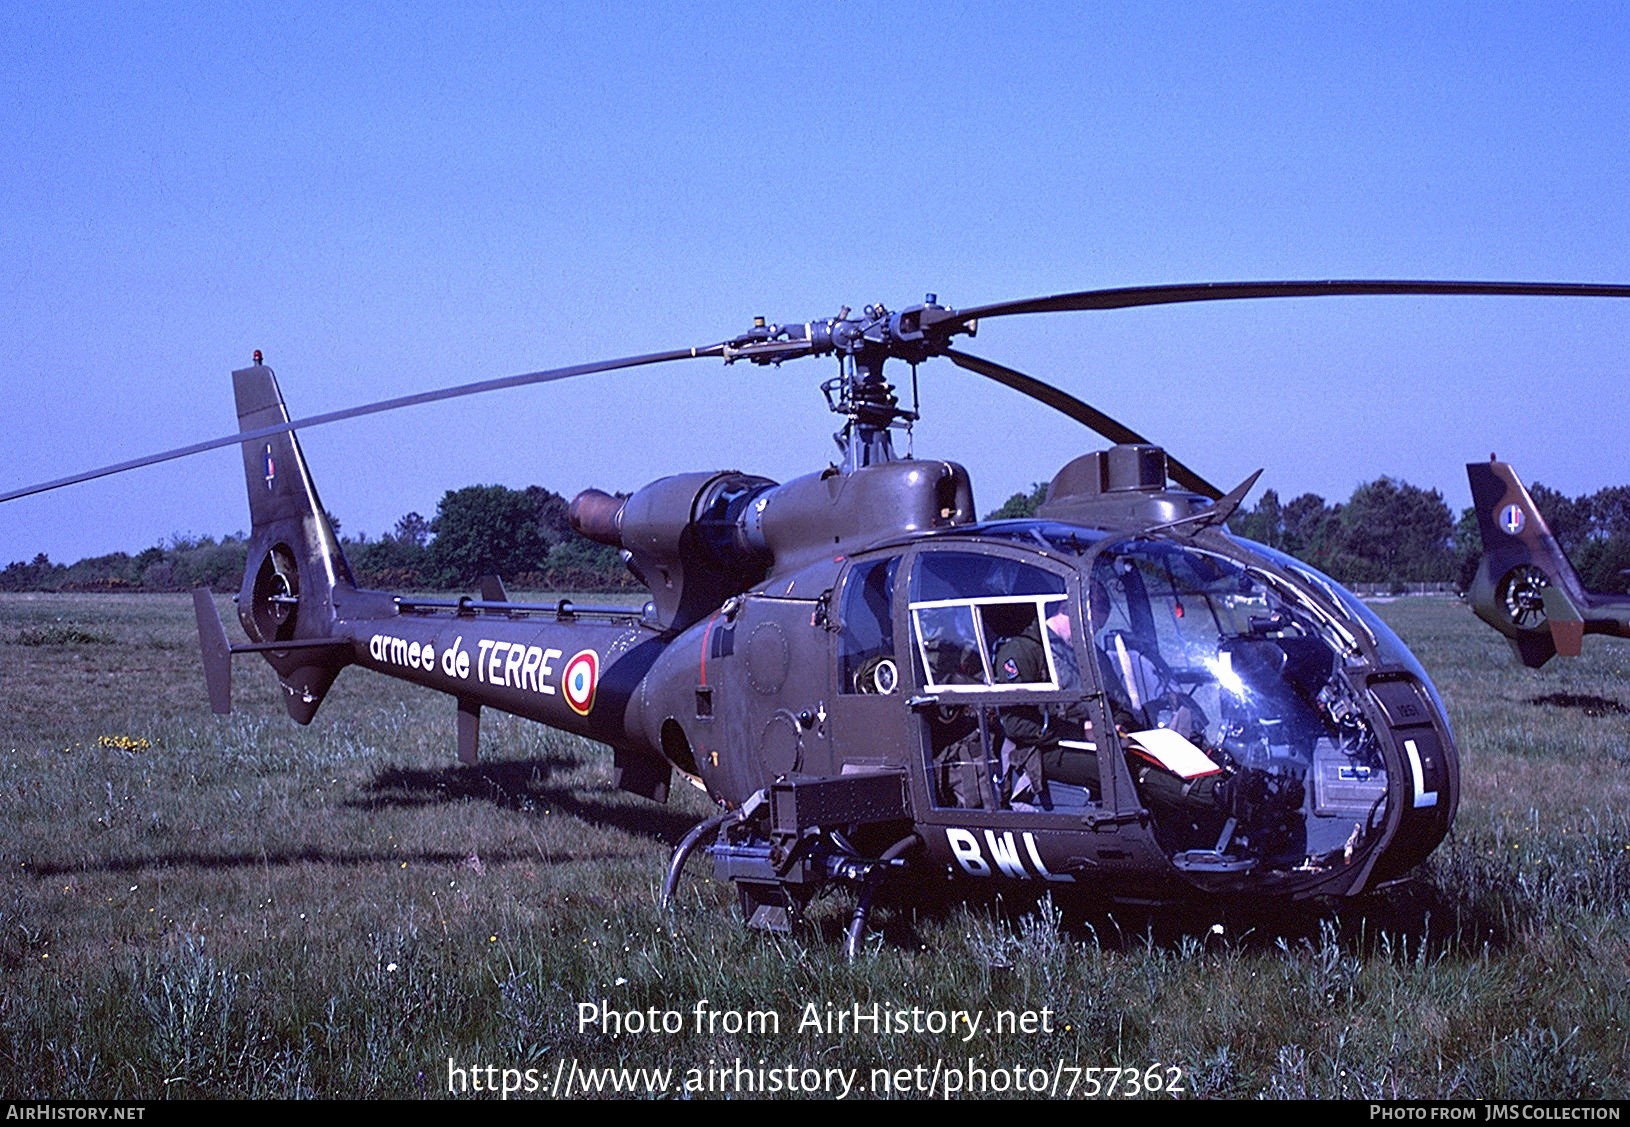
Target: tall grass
197	906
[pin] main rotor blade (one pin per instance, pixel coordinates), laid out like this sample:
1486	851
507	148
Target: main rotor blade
1081	413
1132	296
400	401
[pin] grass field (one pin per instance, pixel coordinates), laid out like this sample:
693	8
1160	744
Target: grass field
199	906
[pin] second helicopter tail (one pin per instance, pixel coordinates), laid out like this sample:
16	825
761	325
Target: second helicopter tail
1525	587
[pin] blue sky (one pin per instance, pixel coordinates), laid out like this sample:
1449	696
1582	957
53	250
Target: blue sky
389	198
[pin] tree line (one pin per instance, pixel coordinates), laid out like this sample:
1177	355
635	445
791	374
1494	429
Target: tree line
522	535
1388	531
1392	532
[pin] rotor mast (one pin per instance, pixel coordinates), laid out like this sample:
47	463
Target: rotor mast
862	393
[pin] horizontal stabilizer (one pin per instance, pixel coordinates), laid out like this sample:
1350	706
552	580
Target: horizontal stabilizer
1567	624
217	651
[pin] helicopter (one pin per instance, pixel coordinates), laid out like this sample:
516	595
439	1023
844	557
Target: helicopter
1116	696
1525	587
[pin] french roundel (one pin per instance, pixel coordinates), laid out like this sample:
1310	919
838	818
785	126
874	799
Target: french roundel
1512	518
579	680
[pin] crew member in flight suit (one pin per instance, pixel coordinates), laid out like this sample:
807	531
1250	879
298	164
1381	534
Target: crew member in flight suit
1035	730
1038	732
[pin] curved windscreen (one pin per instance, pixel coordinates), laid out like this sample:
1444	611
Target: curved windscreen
1389	647
1248	744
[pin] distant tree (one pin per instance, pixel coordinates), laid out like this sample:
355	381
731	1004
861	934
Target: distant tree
1602	562
112	572
577	563
398	559
1309	530
413	530
1593	530
1468	549
1392	531
1569	518
1387	531
524	536
38	575
580	564
1610	511
1605	555
198	561
1265	523
550	511
484	530
1021	504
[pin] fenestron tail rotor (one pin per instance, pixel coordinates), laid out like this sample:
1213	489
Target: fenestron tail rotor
1522	594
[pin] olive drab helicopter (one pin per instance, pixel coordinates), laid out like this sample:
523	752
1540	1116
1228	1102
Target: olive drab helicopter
1116	696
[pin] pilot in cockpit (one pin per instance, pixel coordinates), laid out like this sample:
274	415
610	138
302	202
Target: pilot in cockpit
1038	756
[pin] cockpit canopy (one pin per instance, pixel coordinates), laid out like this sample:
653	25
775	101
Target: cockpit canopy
1236	688
1251	659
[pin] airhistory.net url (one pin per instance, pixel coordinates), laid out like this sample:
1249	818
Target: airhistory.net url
569	1079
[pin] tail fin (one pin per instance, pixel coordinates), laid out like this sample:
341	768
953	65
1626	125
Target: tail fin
1525	588
296	568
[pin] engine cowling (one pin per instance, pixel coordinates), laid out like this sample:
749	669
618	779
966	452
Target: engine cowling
696	539
681	537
